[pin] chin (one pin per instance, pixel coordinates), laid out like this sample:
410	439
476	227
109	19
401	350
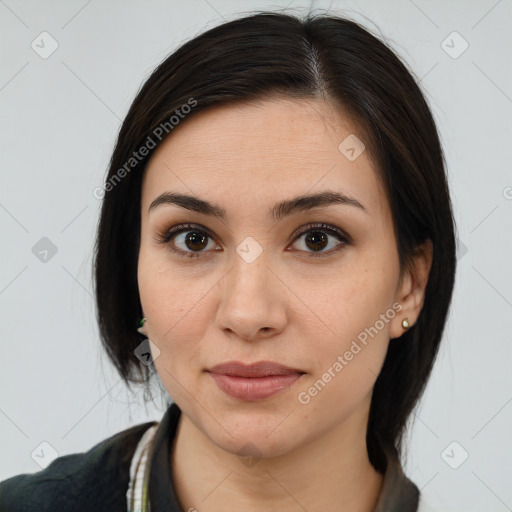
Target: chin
256	445
249	428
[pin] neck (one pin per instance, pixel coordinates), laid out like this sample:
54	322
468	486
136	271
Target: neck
331	473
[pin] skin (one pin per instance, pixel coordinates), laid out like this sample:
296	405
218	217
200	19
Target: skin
286	306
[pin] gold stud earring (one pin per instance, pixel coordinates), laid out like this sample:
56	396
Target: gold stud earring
405	323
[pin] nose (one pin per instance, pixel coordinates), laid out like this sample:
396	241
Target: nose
252	304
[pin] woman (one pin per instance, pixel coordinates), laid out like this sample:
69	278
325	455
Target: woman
276	245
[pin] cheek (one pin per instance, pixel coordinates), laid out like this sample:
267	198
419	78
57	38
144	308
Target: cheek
358	308
176	306
357	297
165	293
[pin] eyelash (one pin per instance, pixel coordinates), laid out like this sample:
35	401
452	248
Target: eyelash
170	233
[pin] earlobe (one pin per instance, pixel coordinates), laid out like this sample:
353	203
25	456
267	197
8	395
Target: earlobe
411	293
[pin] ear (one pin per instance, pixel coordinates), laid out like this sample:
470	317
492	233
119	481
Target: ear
411	289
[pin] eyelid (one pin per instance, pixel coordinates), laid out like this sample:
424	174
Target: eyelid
169	232
322	226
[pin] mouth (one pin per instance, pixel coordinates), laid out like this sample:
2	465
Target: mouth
255	381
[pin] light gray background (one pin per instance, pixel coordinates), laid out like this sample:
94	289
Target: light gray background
59	120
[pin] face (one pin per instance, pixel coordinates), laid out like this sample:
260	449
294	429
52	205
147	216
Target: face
315	289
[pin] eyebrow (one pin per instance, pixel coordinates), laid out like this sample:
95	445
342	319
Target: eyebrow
279	211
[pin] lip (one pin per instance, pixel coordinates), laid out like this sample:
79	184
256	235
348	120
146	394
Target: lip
255	381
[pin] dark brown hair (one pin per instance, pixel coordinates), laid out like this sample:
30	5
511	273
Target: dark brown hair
270	54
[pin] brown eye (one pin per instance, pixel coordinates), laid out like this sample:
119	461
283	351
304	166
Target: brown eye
195	240
187	240
316	239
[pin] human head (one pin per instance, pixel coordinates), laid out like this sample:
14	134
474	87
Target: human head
269	56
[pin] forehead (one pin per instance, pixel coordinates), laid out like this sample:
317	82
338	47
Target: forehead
246	154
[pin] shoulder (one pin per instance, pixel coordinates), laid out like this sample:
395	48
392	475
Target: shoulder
95	480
